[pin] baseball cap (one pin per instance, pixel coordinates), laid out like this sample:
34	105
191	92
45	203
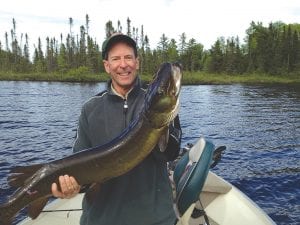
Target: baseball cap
115	38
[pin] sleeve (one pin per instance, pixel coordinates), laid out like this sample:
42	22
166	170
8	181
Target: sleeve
82	140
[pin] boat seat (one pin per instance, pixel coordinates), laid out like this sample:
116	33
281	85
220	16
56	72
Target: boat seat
190	174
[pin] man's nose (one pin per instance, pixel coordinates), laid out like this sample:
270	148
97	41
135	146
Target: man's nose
123	62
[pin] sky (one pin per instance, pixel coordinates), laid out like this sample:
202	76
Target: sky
205	21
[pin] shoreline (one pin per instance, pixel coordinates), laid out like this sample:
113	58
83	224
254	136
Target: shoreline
196	78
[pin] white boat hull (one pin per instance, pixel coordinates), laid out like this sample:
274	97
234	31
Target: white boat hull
224	204
68	217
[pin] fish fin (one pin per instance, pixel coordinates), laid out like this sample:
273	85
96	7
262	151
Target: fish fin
20	174
36	207
163	140
92	192
26	169
17	180
5	218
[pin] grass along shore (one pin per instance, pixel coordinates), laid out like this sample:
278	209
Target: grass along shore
189	78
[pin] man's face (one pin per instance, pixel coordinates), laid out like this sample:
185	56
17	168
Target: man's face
122	65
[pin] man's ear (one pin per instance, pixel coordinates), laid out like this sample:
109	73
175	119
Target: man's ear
137	63
106	66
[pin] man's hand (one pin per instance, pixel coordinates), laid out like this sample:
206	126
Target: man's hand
68	187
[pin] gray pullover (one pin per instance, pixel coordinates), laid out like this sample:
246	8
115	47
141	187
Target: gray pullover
143	196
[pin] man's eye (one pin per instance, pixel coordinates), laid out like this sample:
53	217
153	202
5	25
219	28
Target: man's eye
129	58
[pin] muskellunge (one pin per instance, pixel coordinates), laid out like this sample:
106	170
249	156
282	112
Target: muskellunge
103	162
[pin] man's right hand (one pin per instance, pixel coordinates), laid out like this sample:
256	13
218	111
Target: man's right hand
68	187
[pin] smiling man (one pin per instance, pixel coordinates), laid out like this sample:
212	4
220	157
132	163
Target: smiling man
121	62
143	196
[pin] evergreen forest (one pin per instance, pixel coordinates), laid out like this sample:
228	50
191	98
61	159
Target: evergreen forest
272	50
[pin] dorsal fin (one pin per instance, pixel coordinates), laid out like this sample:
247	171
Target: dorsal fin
26	169
20	174
17	180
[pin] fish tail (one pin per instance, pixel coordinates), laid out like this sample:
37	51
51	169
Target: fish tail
5	215
19	176
8	210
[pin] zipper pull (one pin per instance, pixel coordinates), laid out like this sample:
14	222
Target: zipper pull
125	107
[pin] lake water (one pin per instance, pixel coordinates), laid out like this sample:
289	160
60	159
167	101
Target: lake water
260	125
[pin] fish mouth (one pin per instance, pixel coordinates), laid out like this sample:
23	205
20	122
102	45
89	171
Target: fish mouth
172	85
164	95
164	89
175	81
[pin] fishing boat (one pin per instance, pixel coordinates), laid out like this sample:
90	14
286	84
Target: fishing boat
200	196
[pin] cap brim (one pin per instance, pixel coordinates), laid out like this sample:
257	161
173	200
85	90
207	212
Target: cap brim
115	39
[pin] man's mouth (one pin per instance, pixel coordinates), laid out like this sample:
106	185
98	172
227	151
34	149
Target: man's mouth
124	74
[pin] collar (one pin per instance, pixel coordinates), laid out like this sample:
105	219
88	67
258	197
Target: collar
116	93
137	85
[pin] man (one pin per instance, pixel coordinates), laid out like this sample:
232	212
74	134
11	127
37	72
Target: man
143	196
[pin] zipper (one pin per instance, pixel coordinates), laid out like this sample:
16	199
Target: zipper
125	109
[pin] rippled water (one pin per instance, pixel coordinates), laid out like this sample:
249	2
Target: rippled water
258	124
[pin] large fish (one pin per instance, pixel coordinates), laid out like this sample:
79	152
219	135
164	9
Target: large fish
98	164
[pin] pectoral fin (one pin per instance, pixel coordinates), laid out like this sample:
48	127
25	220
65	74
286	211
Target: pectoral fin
36	207
163	141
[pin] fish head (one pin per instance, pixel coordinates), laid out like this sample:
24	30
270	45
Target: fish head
162	97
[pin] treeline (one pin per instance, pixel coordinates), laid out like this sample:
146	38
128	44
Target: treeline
272	50
65	54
